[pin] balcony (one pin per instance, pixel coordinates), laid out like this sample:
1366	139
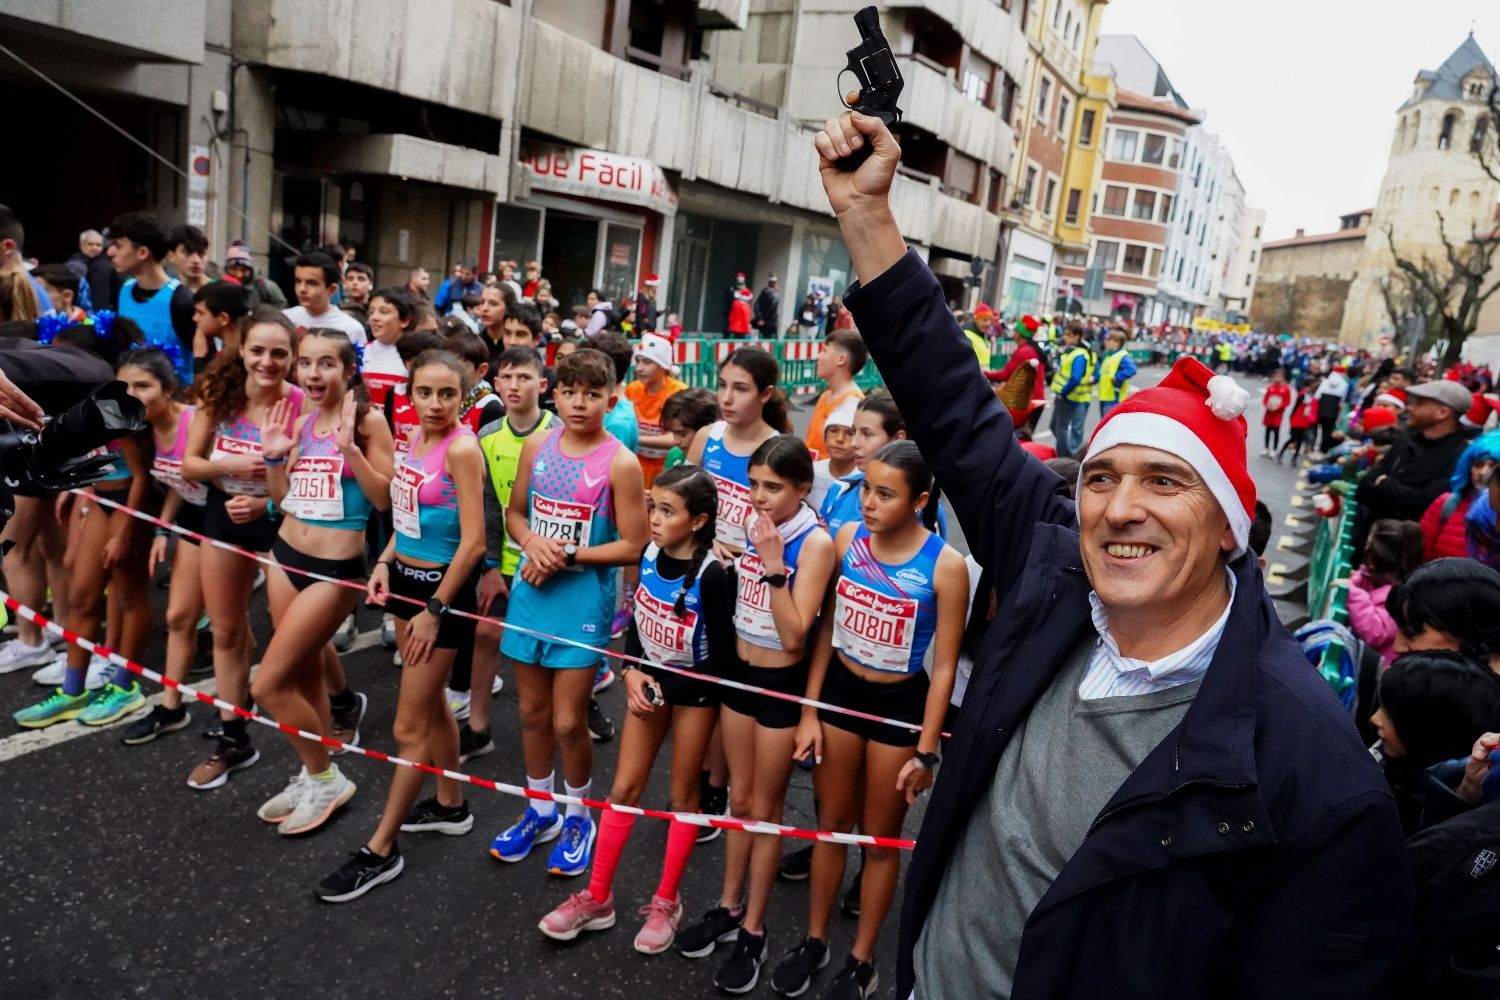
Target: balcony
933	103
410	157
717	14
145	32
993	32
963	227
455	52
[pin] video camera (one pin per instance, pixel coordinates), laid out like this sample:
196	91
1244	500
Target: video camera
66	453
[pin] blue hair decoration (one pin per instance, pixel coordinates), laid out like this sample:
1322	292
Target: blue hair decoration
103	322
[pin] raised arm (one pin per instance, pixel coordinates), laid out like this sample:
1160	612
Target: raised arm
998	491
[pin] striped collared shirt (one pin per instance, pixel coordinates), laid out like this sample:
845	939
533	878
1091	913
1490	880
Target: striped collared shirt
1112	675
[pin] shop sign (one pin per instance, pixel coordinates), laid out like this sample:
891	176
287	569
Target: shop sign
590	173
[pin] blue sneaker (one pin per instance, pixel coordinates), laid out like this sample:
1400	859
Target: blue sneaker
514	843
575	848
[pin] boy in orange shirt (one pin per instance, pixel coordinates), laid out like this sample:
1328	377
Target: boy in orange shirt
653	386
843	357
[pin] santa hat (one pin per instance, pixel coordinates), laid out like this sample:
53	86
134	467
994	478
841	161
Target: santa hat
1198	417
1394	398
743	294
1029	323
1377	416
651	281
657	348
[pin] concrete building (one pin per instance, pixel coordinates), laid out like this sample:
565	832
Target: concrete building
1435	187
1244	267
1303	282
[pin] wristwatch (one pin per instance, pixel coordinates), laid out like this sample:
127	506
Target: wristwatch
777	580
571	552
436	608
926	760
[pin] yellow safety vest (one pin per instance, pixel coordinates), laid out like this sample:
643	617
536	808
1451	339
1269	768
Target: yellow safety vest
1084	390
1107	371
981	348
1226	353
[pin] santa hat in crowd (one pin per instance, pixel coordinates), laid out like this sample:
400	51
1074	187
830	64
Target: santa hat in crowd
1030	324
1198	417
1377	416
657	348
651	281
1394	398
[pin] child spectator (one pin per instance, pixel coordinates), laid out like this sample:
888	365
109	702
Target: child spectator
684	414
1443	529
1449	604
1068	469
1394	549
1304	419
1277	400
62	287
838	441
1482	535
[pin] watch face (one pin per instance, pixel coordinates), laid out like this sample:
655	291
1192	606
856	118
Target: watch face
435	606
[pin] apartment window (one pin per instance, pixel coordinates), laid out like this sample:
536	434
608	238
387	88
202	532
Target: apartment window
979	79
1180	261
1188	228
1030	188
1003	4
1202	234
1154	148
1062	115
1155	267
1252	255
1135	259
1056	16
1198	174
1077	34
997	191
1008	99
1043	98
1123	147
1105	254
1073	258
1086	128
1164	212
961	180
1247	281
1257	232
1144	206
1051	197
1176	156
1115	200
1075	198
1068	24
1195	275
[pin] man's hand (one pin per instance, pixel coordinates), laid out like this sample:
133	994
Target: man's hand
861	197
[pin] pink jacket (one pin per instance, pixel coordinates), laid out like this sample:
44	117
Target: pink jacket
1368	617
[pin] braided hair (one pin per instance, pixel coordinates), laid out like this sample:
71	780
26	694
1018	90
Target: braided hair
696	489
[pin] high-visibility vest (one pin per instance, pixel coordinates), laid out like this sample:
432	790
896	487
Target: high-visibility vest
1084	390
981	347
1107	370
1226	353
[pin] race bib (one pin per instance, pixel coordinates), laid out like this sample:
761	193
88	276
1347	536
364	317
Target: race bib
404	510
807	317
315	488
168	472
1275	403
752	604
562	520
665	637
380	384
650	430
224	446
874	629
734	511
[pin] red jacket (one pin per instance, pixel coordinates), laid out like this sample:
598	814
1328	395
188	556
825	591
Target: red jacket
1023	354
1306	413
1280	391
739	316
1440	538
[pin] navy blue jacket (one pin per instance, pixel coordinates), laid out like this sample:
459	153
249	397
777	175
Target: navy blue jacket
1254	853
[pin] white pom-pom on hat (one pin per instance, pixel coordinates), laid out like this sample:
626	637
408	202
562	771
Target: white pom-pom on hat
1225	398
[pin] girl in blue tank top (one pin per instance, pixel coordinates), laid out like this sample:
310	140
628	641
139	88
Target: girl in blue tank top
877	423
900	593
753	410
325	475
436	494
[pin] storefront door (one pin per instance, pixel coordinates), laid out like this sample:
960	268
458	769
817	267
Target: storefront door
570	246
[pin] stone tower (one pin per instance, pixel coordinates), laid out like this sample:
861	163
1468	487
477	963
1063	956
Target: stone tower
1432	169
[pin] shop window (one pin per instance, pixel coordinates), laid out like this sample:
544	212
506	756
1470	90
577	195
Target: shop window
1123	147
1115	200
1075	198
1135	259
1154	148
1106	252
1086	128
1144	206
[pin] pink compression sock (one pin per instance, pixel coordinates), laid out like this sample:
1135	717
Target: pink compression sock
680	840
614	831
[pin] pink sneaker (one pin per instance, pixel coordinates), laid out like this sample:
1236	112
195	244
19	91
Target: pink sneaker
578	913
660	930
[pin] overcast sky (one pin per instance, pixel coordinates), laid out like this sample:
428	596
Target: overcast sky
1303	92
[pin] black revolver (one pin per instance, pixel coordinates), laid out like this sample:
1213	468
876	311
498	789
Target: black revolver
880	81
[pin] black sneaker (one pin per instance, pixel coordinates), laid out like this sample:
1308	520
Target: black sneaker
718	925
431	816
856	981
850	906
711	802
362	872
346	722
473	744
600	728
157	723
797	865
741	970
794	972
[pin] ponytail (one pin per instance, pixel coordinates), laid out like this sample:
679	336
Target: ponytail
777	412
763	370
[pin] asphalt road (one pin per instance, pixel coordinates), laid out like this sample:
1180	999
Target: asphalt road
124	882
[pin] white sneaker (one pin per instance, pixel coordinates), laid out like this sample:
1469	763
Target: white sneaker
16	655
52	674
458	704
100	671
260	578
344	637
396	660
497	685
319	801
281	805
388	631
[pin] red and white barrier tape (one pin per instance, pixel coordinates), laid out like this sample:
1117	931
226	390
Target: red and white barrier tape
694	819
625	657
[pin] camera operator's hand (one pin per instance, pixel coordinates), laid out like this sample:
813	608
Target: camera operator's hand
243	510
861	197
18	407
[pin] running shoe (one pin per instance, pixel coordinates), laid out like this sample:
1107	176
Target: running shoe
856	981
57	642
603	678
431	816
345	636
515	842
600	728
158	722
793	974
279	806
227	758
345	727
621	621
458	704
260	577
56	707
112	702
53	673
16	655
716	926
204	622
660	930
578	913
396	660
473	743
574	849
99	672
796	865
497	684
388	630
712	802
362	872
741	970
319	801
850	905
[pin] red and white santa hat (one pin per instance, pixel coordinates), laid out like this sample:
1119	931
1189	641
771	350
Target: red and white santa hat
651	281
1198	417
1394	398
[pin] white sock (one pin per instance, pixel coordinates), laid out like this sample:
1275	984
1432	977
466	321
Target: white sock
545	808
582	793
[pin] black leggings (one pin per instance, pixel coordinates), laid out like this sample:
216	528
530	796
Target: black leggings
1273	437
1294	441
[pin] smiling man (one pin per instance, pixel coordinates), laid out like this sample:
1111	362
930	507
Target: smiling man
1149	792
